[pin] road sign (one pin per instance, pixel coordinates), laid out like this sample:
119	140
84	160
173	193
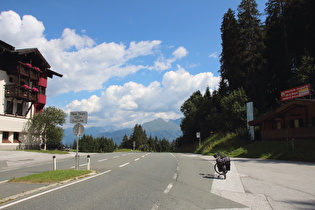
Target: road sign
198	134
78	117
78	129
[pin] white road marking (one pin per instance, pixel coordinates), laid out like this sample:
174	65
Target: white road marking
155	207
123	165
48	191
137	159
102	160
116	157
4	181
169	187
175	176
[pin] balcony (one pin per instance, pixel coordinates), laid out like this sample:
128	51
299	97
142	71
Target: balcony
25	70
20	93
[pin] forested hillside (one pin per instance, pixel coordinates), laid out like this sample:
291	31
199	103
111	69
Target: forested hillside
259	59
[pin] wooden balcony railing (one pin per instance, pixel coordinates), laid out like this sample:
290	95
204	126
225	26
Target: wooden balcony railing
20	93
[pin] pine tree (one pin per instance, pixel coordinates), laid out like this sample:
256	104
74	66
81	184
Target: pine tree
277	50
252	46
138	136
230	51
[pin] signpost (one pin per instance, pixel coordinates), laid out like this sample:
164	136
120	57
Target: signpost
78	129
198	137
250	117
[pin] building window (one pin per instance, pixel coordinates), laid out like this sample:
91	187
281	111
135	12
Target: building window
296	123
16	137
19	109
9	107
42	90
5	135
278	125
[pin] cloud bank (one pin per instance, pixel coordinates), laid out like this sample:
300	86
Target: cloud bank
87	65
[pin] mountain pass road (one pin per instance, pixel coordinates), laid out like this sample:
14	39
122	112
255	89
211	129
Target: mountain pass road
154	181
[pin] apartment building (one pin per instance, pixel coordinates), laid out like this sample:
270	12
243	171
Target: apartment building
23	84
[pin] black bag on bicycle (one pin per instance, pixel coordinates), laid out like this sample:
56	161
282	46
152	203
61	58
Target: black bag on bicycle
227	163
224	163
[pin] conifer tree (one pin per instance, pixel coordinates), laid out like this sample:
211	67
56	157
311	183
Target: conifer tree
252	46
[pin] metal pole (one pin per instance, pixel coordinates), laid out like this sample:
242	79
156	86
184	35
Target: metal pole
54	163
88	160
77	155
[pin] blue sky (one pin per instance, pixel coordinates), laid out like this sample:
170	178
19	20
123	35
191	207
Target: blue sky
124	62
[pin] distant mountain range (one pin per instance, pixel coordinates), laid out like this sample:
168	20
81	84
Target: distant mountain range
169	130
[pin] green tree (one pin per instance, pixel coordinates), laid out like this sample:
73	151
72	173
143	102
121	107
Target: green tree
138	136
165	145
105	144
43	125
86	143
305	73
234	109
230	68
191	121
251	55
126	142
278	71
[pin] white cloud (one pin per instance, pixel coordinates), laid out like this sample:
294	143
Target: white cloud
76	56
134	103
86	66
180	53
17	31
162	64
214	55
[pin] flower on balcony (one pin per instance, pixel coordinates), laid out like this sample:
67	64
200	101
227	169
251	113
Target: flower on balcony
36	68
28	65
34	89
26	87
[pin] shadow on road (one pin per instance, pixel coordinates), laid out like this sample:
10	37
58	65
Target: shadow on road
211	176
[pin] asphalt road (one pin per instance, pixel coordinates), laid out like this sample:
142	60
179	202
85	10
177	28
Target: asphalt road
154	181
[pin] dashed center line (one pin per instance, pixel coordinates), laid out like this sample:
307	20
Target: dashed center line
169	187
137	159
123	165
102	160
116	157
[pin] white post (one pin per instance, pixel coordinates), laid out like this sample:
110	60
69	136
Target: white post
54	163
88	160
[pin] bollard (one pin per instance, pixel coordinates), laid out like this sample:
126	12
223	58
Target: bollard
88	160
54	163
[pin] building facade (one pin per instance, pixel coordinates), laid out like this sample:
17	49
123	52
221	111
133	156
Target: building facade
23	85
293	120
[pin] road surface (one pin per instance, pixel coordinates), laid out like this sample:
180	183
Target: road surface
154	181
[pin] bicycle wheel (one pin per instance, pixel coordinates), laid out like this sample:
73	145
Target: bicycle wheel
216	168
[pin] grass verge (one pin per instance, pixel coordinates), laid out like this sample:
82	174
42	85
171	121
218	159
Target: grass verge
51	176
49	151
238	145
